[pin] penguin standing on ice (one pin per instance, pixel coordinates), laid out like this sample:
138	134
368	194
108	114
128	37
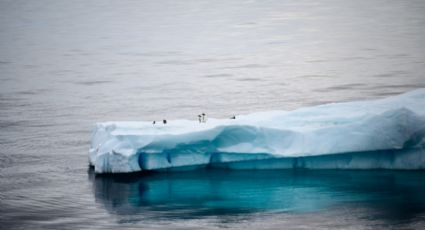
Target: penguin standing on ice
204	118
164	121
154	122
199	118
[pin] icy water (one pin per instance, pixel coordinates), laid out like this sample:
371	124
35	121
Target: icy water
65	65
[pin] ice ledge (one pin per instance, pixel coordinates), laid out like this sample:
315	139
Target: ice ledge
387	133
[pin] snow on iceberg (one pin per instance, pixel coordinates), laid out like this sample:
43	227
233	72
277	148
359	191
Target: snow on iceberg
380	134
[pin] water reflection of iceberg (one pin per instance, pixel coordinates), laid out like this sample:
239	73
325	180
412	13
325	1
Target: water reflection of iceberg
393	194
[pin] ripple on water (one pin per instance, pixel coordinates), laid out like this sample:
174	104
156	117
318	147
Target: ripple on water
93	83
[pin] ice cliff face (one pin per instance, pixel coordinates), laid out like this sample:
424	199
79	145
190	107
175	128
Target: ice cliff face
387	133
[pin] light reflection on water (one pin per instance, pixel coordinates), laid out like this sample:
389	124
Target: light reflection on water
389	197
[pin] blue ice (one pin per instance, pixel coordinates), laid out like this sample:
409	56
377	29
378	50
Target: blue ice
378	134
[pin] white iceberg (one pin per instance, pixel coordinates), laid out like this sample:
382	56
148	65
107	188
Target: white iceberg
380	134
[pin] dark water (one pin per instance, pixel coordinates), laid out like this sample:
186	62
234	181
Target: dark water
65	65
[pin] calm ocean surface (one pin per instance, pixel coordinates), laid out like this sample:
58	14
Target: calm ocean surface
65	65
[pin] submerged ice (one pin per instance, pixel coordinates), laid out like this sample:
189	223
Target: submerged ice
380	134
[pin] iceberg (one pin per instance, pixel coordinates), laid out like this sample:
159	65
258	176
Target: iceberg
387	133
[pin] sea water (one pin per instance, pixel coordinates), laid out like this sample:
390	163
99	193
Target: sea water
65	65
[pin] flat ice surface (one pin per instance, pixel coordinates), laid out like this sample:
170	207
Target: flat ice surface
387	133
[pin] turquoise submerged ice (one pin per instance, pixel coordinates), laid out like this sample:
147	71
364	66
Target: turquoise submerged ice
380	134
